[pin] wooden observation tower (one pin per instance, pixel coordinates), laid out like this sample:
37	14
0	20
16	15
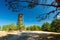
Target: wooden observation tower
20	22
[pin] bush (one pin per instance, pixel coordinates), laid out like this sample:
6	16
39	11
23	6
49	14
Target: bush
9	27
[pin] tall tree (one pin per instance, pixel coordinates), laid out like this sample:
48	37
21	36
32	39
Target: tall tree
55	25
46	27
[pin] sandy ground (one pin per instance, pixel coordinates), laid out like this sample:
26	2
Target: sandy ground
4	33
24	35
45	32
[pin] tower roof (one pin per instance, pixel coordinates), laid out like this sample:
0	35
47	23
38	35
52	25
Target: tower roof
20	15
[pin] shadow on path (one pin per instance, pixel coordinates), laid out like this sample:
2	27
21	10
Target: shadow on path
30	36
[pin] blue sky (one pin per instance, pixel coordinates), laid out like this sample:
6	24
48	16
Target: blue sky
7	16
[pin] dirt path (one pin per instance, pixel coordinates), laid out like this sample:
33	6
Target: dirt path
27	35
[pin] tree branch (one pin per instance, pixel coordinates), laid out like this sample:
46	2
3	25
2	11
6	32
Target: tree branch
39	4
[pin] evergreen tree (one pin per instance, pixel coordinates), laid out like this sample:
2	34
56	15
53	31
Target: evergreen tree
46	27
28	28
5	28
12	27
0	27
55	25
34	28
9	27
